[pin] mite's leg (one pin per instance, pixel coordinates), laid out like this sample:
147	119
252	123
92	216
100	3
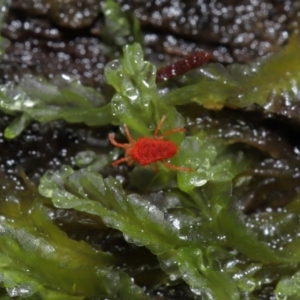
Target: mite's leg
130	162
111	138
123	159
158	127
129	137
172	167
181	129
171	131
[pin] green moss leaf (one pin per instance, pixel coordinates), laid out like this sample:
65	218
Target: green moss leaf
4	43
204	156
140	222
179	237
38	261
263	82
93	161
136	102
288	288
37	99
17	126
218	204
204	280
120	27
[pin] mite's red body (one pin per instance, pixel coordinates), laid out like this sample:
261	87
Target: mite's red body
146	151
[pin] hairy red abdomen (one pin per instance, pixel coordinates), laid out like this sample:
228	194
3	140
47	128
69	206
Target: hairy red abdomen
147	151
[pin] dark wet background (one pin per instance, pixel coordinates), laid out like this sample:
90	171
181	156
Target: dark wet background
51	36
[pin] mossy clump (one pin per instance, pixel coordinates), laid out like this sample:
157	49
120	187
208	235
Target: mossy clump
227	230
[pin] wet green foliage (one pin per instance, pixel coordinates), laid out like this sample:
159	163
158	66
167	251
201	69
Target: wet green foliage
120	28
39	261
268	82
205	156
136	102
3	41
36	99
188	247
183	227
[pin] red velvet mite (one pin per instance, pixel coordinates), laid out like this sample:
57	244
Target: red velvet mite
146	150
180	67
